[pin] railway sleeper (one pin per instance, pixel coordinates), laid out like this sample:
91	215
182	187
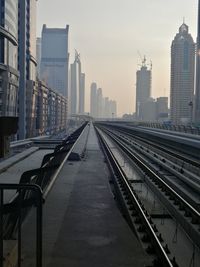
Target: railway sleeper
177	169
138	219
185	222
172	198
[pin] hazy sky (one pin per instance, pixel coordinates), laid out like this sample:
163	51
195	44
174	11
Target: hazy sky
108	34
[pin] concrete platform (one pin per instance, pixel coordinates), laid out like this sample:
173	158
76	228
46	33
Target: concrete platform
82	224
7	163
12	168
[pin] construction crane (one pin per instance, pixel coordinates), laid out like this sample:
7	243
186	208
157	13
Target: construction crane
144	60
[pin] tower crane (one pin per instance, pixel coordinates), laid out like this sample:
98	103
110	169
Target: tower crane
144	60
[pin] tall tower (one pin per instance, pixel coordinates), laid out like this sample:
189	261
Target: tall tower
143	86
9	75
82	94
27	66
38	55
93	100
77	81
182	76
55	58
197	89
99	103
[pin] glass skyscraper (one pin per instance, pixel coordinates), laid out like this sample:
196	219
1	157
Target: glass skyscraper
27	67
8	58
197	91
77	86
55	58
182	76
143	87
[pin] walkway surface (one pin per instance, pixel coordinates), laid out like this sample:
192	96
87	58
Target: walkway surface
82	224
11	169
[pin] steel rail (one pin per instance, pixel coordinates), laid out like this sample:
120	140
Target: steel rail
180	198
186	176
162	255
163	148
183	142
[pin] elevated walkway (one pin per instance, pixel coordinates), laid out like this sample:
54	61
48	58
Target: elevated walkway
82	224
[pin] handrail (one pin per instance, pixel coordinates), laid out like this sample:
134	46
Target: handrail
23	190
41	178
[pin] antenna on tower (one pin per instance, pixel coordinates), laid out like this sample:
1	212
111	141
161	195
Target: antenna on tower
144	61
151	64
77	56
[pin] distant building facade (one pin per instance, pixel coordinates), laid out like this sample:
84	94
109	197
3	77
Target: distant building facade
196	103
38	55
27	65
148	110
82	94
51	111
55	58
107	107
93	100
99	103
143	87
154	110
162	109
9	75
77	87
101	107
182	76
113	109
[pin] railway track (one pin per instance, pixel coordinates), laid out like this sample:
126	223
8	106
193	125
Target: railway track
179	143
192	163
182	176
185	213
137	216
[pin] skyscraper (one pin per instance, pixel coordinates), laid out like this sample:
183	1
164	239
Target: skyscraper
38	55
162	108
197	89
55	58
182	76
148	110
93	100
27	66
77	85
99	103
9	75
82	95
113	109
107	108
143	86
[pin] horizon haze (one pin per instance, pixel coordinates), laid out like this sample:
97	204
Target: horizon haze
110	35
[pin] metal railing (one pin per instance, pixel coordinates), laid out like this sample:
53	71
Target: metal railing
13	213
29	193
170	127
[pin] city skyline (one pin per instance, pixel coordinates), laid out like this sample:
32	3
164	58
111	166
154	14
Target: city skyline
108	46
101	107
